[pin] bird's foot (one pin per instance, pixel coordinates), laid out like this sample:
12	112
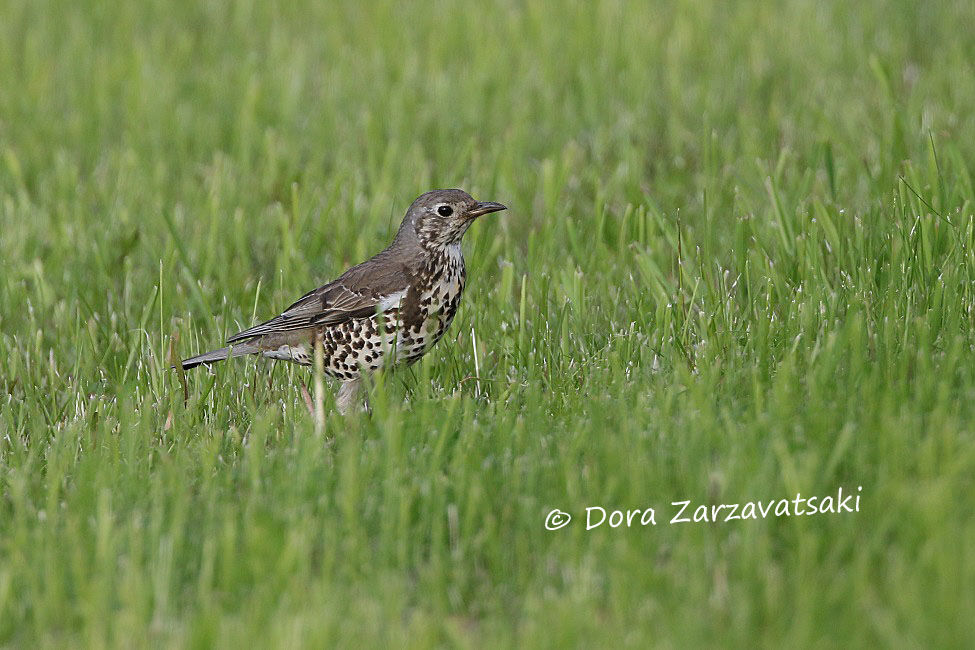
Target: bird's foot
349	397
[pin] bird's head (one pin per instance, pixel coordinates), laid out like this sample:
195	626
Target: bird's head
441	217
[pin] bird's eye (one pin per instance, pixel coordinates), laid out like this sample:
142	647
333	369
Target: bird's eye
445	210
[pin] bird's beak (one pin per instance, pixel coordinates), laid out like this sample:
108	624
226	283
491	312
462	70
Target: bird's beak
486	207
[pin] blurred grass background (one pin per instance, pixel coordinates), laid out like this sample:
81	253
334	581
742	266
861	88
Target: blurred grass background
738	265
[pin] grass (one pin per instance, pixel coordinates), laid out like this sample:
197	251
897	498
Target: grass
739	264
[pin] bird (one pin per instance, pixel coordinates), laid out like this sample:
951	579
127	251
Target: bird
387	311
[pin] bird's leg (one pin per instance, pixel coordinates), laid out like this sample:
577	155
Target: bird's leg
345	401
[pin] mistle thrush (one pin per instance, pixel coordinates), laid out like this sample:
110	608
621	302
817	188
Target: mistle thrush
390	309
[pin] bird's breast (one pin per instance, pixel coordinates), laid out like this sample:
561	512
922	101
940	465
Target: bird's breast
431	304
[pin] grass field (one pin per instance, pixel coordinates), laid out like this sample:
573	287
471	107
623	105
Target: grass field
738	265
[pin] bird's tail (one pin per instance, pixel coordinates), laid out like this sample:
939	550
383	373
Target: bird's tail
238	350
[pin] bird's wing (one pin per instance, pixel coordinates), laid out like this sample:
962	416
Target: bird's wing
329	305
375	285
